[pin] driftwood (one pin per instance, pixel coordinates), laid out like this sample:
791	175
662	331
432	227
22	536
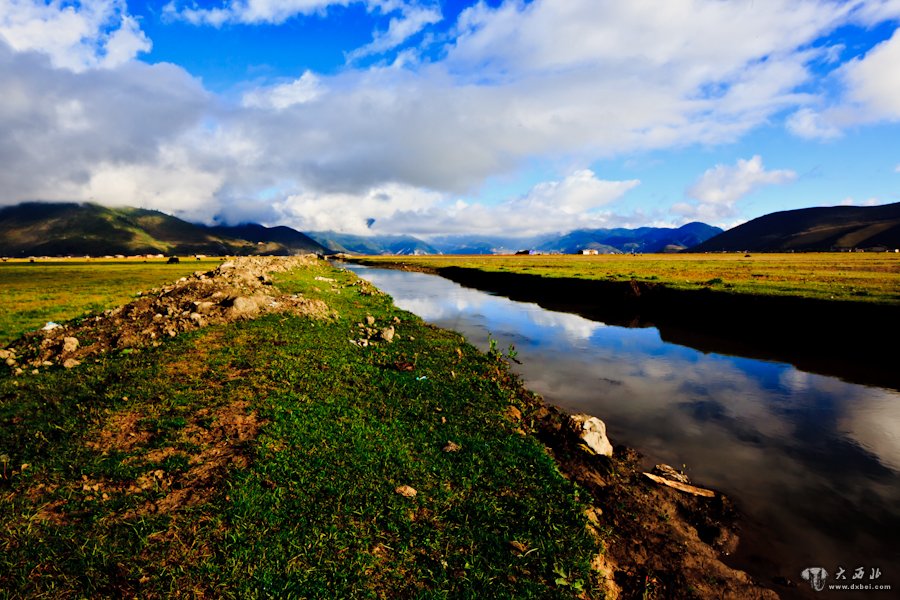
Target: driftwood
681	487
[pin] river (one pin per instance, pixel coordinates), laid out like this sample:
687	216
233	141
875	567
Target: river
812	461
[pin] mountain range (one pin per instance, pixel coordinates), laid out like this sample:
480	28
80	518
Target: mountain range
71	229
605	241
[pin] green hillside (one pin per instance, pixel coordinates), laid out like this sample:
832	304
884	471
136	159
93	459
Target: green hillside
72	229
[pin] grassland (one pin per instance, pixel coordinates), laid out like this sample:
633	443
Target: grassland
858	277
35	293
263	458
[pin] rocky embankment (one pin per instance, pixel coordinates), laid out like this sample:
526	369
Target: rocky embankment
235	290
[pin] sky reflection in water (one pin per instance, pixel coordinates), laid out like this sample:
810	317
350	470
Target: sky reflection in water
811	458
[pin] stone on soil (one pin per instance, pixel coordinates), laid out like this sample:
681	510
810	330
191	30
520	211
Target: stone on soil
592	432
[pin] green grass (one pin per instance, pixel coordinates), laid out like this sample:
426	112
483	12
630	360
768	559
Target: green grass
305	437
858	277
34	293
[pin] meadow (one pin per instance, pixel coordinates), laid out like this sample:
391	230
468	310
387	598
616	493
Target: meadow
857	277
57	290
273	457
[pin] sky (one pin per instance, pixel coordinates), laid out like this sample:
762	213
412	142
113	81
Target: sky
430	118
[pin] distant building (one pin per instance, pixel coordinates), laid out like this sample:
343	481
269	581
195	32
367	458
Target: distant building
590	252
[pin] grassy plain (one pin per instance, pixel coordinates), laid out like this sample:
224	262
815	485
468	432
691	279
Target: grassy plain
866	277
261	459
56	290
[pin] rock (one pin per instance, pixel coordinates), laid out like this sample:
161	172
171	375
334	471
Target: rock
592	432
198	319
243	307
387	334
671	474
370	320
70	363
50	326
5	354
202	307
406	491
70	344
451	447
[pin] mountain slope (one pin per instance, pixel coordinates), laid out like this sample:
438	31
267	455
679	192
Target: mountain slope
813	229
72	229
376	244
288	238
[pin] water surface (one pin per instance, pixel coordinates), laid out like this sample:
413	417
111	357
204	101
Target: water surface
812	461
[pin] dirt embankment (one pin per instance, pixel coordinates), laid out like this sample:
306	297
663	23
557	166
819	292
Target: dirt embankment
660	542
235	290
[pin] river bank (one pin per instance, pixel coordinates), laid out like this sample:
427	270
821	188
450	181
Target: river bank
308	451
847	339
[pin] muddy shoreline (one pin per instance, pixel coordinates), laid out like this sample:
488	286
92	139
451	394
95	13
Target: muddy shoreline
854	341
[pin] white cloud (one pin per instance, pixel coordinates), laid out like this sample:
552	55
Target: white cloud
869	92
412	21
300	91
807	123
504	93
75	35
576	194
399	209
251	11
897	168
312	211
720	187
874	81
549	206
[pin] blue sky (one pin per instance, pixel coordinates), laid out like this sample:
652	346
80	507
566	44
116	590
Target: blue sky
436	118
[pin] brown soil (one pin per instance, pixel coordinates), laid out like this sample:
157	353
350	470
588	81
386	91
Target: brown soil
235	290
659	542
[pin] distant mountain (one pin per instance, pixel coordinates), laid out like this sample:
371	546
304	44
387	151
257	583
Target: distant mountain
278	237
377	244
606	241
72	229
642	239
813	229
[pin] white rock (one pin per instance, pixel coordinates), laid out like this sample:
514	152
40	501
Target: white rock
70	344
592	432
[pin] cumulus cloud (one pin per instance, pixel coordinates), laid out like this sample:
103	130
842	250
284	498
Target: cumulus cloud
407	144
869	93
873	81
720	187
75	35
306	88
575	201
109	135
399	209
